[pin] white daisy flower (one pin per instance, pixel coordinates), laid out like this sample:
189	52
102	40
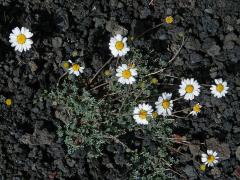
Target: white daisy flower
210	158
189	88
164	105
126	74
196	109
118	46
20	39
75	68
220	89
141	113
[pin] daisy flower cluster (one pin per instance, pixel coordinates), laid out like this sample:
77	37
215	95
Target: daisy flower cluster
20	39
188	89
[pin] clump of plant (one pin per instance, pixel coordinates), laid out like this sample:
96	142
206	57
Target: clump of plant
94	116
128	108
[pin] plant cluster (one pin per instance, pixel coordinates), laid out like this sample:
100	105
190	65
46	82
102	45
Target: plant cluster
92	119
121	110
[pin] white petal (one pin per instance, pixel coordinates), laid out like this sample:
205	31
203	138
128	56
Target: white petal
118	37
16	31
209	152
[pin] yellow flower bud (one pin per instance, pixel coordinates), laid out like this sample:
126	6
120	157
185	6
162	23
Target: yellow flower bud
74	53
154	81
203	167
154	115
107	73
131	38
65	65
8	102
169	19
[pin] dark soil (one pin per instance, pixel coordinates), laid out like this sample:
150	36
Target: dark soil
29	147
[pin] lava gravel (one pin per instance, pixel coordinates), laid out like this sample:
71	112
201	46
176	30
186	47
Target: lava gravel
29	146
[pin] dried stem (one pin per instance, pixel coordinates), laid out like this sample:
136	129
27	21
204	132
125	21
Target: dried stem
177	99
180	117
116	140
125	98
151	3
179	50
206	85
100	70
171	60
61	78
175	112
138	95
148	31
100	85
172	76
159	71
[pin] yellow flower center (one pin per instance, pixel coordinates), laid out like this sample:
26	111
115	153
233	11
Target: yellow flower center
196	108
126	74
75	67
165	104
189	88
143	114
220	88
119	45
8	102
169	20
21	38
210	159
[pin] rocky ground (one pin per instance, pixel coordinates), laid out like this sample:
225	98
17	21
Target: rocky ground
29	147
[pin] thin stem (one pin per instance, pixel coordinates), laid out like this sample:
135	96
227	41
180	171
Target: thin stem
168	84
100	85
107	96
170	119
172	76
138	95
125	98
171	60
116	140
180	117
206	85
176	54
182	154
61	78
151	3
175	112
118	58
148	31
177	173
159	71
100	70
177	99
